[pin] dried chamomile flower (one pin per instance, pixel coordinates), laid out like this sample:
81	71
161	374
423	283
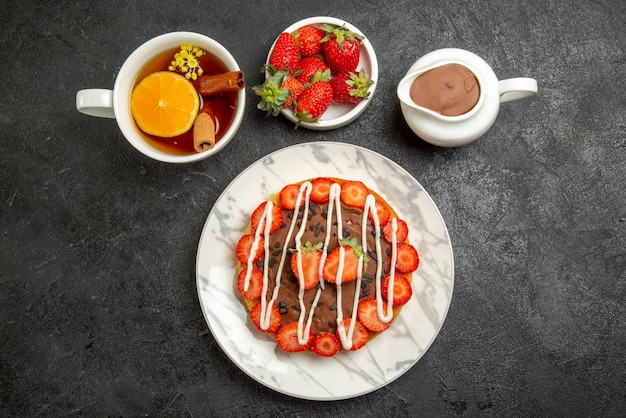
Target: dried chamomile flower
186	61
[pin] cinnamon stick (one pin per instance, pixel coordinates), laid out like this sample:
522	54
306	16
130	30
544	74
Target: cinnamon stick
209	85
204	127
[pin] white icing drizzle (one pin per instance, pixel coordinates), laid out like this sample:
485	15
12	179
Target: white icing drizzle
334	202
283	257
257	239
265	224
388	316
303	330
370	207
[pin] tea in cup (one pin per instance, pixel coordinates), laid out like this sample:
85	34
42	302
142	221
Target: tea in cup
194	65
450	97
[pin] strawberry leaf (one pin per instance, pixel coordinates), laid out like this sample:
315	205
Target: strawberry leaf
360	84
358	250
340	33
272	96
308	247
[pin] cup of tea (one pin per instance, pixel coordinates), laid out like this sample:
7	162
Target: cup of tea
450	97
159	54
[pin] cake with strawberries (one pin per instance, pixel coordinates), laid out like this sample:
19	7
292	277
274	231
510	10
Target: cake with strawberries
325	266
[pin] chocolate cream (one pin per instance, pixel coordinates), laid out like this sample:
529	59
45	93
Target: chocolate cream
325	316
450	90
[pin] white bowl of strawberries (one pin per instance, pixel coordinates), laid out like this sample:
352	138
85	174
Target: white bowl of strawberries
320	73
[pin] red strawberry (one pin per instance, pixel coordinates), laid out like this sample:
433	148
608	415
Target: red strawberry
308	39
309	66
295	88
311	257
402	232
257	215
245	245
407	260
341	48
255	286
351	88
284	55
368	315
288	196
326	344
313	101
275	318
402	291
287	338
360	336
352	253
383	213
353	193
320	191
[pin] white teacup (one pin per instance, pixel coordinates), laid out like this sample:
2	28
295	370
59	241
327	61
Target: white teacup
116	103
452	131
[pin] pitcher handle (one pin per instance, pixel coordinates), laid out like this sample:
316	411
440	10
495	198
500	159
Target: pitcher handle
516	88
95	102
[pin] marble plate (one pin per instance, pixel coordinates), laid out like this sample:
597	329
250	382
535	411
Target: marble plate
305	375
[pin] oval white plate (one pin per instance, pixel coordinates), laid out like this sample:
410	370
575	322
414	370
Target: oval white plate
348	374
338	115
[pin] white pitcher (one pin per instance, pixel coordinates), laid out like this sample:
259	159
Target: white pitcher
452	131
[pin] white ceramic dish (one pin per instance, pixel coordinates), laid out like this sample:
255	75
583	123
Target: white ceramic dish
338	115
348	374
454	131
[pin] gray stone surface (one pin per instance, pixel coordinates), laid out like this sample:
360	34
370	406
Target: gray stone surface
98	308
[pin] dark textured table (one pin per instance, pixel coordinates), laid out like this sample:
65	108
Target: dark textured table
99	314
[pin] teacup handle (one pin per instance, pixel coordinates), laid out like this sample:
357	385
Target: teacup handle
95	102
516	88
